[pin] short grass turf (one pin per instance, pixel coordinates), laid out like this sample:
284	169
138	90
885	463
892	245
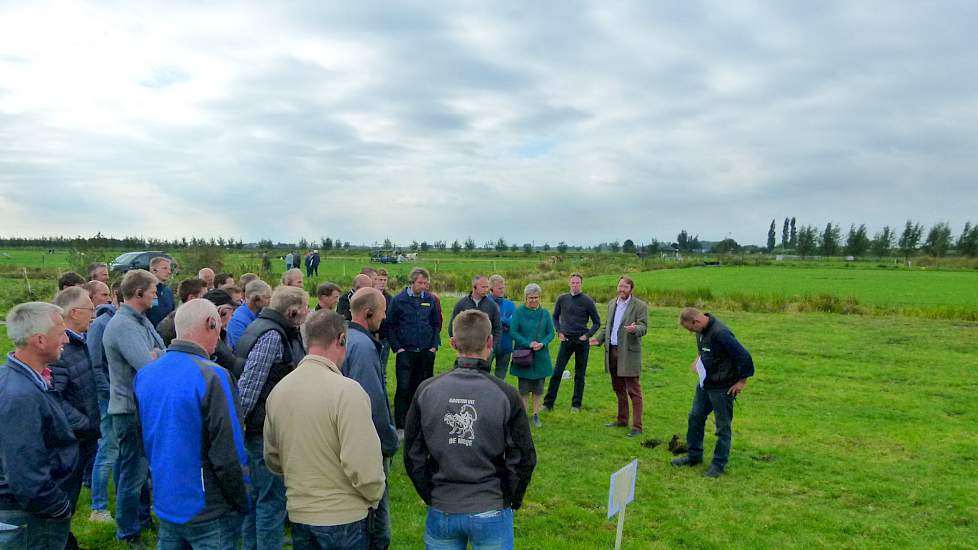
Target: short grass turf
856	432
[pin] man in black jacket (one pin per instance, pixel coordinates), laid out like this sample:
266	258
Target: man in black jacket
467	445
477	300
572	311
73	377
38	451
723	367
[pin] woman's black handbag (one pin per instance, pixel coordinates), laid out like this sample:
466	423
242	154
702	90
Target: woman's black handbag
524	357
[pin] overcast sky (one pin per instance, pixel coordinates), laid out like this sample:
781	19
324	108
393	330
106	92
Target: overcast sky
534	121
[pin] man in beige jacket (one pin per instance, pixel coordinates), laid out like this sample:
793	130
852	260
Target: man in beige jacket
319	436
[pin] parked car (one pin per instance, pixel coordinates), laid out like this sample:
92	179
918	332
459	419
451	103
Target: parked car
135	260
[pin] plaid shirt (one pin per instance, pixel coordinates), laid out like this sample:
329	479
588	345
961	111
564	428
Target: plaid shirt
267	351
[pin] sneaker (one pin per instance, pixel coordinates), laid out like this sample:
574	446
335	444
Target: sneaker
633	433
685	461
100	516
615	424
575	409
536	421
714	471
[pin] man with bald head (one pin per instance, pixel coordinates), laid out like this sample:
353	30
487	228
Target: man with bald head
192	429
368	309
362	280
207	274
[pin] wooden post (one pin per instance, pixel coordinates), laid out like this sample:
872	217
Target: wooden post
621	526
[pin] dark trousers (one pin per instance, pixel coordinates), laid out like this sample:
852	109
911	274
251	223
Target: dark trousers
379	518
501	359
349	536
579	349
411	368
625	387
722	406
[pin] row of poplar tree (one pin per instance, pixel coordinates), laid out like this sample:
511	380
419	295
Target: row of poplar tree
809	240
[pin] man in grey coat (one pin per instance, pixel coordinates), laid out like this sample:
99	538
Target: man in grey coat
627	322
130	343
368	309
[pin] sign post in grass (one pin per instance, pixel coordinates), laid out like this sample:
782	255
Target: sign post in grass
620	493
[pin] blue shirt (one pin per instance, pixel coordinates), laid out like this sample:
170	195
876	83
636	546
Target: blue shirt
242	317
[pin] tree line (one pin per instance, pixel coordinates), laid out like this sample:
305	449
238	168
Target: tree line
810	240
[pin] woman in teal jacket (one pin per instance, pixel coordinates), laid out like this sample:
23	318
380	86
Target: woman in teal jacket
532	328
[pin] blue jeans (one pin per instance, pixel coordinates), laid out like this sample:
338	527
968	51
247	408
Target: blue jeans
349	536
264	527
132	490
220	533
486	531
722	406
31	532
105	460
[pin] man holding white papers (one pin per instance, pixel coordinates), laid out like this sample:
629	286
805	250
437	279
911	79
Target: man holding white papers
726	366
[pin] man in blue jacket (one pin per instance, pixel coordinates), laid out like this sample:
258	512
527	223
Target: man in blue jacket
164	303
363	364
502	350
413	329
723	367
193	433
38	451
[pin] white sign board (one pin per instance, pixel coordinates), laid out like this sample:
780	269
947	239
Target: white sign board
622	489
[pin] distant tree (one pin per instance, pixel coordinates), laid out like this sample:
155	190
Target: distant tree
910	239
456	246
424	246
794	234
785	235
770	237
388	245
807	241
546	247
440	245
221	242
469	244
527	248
614	246
599	247
501	245
882	242
514	247
628	247
857	243
303	243
265	243
414	246
726	246
327	243
829	241
967	244
685	242
938	240
561	248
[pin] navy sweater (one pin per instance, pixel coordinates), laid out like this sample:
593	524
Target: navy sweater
73	377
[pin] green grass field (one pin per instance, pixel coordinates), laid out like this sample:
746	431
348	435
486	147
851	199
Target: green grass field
856	431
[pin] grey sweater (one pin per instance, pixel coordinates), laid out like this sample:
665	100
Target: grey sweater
129	342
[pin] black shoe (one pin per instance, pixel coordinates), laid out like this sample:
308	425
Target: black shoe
615	424
685	461
714	471
633	433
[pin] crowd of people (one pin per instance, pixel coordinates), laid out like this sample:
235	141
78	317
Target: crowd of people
232	410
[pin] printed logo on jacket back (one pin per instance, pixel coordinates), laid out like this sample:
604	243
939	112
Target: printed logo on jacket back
462	422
